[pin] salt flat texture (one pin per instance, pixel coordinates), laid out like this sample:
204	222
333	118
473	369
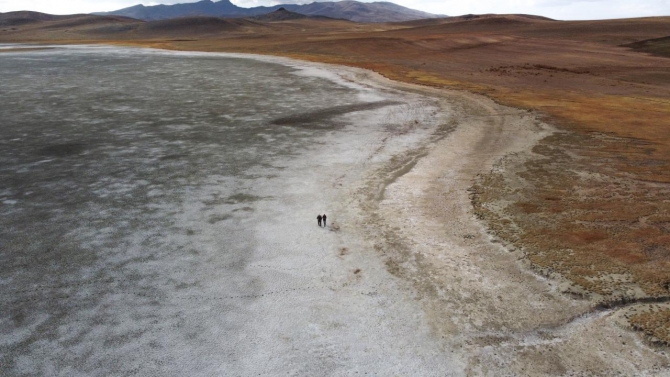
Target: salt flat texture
156	221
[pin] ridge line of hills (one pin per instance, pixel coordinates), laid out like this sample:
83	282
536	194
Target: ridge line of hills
347	9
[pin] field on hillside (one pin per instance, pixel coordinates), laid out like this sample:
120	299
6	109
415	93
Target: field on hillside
588	204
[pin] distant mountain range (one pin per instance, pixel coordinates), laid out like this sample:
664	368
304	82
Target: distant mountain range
282	14
348	10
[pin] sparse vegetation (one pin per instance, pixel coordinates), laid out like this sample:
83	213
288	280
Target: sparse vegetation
655	324
577	209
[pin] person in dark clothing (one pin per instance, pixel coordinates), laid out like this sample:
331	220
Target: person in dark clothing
318	218
324	219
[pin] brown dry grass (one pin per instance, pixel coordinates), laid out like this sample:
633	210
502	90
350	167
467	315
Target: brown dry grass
575	210
654	323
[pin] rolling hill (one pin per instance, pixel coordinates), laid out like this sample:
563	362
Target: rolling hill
280	14
26	17
348	10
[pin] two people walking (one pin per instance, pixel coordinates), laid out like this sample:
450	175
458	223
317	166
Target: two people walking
320	219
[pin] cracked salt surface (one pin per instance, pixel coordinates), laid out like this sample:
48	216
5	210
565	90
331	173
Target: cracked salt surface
173	232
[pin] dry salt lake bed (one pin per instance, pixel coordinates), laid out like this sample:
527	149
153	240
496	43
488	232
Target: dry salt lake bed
158	218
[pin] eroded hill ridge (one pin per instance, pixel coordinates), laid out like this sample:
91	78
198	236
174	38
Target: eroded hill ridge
348	10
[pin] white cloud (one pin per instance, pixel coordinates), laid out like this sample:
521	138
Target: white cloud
560	9
75	6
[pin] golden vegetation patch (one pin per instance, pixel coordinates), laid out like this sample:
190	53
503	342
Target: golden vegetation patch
574	210
654	323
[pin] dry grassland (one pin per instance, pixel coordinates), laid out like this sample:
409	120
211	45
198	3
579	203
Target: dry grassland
654	323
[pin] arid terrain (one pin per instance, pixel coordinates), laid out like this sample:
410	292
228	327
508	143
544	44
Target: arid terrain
577	192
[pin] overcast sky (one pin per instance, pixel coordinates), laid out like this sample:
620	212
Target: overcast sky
559	9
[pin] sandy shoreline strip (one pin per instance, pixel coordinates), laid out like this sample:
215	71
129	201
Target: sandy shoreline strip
494	314
353	316
478	293
488	312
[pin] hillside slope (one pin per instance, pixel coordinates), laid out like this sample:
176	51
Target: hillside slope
348	10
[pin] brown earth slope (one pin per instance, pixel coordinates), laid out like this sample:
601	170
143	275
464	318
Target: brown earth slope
656	46
589	204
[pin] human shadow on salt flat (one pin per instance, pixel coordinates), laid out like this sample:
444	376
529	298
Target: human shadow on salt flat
308	120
